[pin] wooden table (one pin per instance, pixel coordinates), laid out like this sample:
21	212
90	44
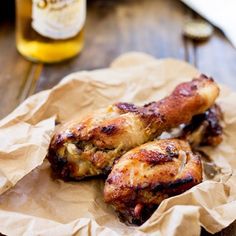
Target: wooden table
112	28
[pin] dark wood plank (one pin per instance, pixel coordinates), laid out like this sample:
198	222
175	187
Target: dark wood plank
14	70
18	77
30	82
115	27
217	58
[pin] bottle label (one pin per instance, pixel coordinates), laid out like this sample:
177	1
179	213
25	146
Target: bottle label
58	19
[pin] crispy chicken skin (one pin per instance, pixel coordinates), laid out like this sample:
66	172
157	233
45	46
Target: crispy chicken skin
88	147
205	129
148	174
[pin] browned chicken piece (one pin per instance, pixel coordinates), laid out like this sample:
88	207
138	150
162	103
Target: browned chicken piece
88	147
148	174
205	129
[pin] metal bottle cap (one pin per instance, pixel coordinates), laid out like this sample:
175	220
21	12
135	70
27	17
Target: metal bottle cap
198	30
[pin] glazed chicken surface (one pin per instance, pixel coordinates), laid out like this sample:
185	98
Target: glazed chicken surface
88	147
148	174
205	129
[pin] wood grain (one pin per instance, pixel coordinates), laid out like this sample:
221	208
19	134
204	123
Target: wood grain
218	59
13	71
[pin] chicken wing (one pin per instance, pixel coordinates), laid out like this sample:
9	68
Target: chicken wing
88	147
148	174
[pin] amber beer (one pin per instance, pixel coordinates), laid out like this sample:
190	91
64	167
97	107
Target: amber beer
50	30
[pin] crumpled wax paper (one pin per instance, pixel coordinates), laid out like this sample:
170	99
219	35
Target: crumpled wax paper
32	203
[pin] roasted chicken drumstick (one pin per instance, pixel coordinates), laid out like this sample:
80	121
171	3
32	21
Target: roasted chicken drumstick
148	174
88	147
205	129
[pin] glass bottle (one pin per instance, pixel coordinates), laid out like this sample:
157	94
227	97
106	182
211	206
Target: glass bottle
50	31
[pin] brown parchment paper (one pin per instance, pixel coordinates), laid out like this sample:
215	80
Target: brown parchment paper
32	203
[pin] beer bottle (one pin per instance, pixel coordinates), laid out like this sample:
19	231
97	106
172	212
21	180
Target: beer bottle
50	30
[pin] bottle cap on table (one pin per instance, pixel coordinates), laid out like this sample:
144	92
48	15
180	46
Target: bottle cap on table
198	30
